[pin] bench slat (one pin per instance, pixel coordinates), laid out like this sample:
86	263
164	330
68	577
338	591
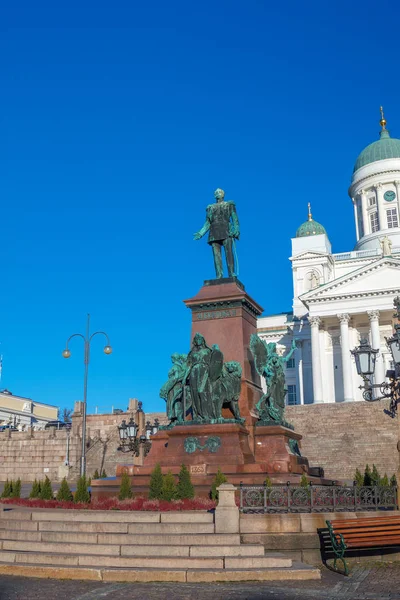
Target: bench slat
369	529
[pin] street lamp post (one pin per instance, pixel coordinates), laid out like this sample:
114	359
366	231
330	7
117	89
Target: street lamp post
365	364
87	339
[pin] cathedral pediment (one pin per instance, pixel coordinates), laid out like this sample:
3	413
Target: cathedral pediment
308	254
382	277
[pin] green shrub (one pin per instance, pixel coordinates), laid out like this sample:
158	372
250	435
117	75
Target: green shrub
96	475
7	491
16	489
125	489
304	481
35	491
367	476
64	493
82	494
156	483
46	491
218	480
384	482
169	491
358	478
375	477
103	474
393	481
185	486
268	482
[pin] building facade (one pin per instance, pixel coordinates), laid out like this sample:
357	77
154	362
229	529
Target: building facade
339	299
22	413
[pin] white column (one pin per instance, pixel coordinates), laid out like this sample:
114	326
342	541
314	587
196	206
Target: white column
366	224
316	359
356	217
380	205
299	371
346	356
397	184
373	315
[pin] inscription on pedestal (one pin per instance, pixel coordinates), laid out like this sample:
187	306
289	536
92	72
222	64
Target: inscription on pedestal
215	314
198	470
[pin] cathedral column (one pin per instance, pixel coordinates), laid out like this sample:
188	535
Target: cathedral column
316	359
379	202
356	217
373	315
346	356
397	184
299	371
366	225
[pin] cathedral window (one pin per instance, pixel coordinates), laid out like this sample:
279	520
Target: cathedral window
373	217
392	219
291	395
371	201
290	363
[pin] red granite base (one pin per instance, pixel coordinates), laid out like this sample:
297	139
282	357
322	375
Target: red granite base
273	457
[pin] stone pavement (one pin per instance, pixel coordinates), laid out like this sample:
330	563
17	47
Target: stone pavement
379	581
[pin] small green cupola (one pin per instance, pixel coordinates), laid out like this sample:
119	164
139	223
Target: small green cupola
310	227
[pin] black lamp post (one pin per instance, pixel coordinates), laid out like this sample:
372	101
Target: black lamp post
365	358
131	442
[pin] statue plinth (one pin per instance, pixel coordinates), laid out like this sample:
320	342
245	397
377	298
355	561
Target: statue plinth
225	314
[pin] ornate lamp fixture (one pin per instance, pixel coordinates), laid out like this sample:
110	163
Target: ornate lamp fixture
365	358
131	442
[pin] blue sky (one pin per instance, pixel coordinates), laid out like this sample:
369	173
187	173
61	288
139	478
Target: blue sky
118	121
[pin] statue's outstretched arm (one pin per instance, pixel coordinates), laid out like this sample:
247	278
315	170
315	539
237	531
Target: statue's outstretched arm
235	227
204	229
290	354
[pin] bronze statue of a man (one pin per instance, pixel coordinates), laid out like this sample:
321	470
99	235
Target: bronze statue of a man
223	224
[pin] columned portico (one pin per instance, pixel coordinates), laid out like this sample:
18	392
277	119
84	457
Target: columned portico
316	359
344	319
376	344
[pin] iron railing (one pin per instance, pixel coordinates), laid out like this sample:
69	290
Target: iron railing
316	498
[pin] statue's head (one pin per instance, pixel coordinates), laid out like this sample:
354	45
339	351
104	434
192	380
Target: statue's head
234	367
219	195
175	357
199	340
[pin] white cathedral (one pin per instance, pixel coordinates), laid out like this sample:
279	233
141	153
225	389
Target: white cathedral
340	298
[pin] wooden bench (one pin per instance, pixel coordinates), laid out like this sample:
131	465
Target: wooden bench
360	534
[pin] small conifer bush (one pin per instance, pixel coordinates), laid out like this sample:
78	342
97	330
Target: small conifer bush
7	491
96	475
375	477
358	478
393	481
169	491
64	493
268	482
125	489
304	481
82	493
384	482
185	486
218	480
35	490
16	489
46	491
156	483
103	474
367	476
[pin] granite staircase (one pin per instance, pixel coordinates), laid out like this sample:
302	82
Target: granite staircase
133	546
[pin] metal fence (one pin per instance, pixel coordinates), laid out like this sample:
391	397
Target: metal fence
315	498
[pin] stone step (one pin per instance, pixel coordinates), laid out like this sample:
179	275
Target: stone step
296	572
209	550
215	539
153	562
98	549
268	561
99	516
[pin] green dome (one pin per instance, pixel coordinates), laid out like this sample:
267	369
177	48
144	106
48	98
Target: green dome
385	147
310	227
